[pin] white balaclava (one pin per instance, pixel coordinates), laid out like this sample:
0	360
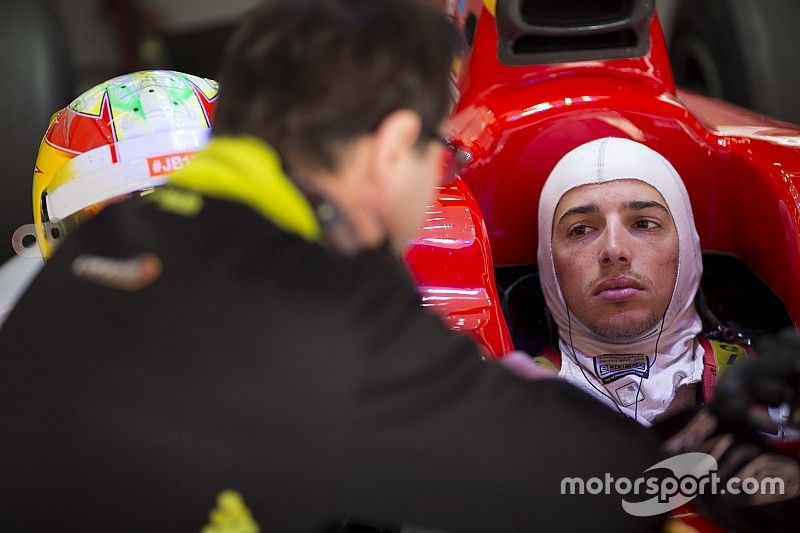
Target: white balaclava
637	371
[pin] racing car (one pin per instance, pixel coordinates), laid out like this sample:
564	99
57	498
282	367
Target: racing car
541	78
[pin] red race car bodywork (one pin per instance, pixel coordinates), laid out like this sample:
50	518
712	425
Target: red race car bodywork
452	265
742	171
519	119
451	259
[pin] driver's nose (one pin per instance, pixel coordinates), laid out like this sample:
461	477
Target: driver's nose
614	246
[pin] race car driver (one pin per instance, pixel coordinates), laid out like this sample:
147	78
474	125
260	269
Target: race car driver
620	268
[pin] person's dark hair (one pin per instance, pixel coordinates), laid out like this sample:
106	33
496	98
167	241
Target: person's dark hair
307	75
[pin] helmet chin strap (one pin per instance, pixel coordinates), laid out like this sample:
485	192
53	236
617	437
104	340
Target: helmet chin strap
24	241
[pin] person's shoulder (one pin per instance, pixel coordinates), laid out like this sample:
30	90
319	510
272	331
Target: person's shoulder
184	226
369	287
250	264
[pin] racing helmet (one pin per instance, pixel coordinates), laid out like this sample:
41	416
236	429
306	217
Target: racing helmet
120	138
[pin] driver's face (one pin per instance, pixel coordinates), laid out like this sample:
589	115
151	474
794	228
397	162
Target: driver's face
615	249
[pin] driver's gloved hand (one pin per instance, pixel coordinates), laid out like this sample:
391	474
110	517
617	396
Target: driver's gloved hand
741	453
772	379
728	430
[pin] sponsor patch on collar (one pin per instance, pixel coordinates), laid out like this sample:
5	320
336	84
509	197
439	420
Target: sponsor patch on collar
611	367
129	274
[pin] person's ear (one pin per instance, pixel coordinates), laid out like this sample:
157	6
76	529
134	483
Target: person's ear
394	138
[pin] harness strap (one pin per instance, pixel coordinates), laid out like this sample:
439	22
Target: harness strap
719	356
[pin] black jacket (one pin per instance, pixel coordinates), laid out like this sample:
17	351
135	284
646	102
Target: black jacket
311	383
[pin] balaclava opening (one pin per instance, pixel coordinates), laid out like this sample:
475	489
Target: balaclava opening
637	377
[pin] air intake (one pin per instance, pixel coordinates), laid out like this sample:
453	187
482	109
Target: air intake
532	32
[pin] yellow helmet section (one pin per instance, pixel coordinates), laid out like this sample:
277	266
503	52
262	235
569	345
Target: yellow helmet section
491	6
48	165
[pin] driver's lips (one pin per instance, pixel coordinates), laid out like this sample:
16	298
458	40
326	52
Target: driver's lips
617	289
